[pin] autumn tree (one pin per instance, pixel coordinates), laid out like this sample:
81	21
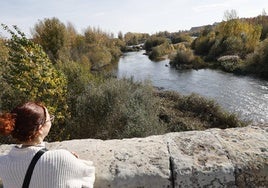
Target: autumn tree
120	35
32	77
51	35
101	48
235	37
263	21
230	15
3	50
154	41
204	42
135	38
3	58
257	62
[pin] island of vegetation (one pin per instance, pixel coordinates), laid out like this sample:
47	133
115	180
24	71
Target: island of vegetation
237	45
62	68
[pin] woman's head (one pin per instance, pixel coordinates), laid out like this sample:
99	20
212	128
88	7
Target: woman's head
24	122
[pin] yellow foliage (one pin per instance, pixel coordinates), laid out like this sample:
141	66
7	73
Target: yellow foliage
249	33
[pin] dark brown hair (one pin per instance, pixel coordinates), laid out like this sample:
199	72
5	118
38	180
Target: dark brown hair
23	121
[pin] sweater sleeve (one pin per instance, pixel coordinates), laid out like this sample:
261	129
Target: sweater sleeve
60	168
87	171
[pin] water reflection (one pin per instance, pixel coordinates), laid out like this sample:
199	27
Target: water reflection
244	95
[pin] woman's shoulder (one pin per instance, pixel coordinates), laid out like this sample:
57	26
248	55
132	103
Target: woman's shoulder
59	157
63	156
59	153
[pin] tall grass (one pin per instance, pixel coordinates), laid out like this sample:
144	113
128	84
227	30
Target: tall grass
193	112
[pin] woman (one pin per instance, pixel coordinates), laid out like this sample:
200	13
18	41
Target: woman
29	124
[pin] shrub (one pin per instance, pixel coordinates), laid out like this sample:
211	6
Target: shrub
135	38
257	63
230	63
153	42
161	50
235	37
194	112
181	37
100	56
208	110
233	45
203	44
183	57
78	78
116	109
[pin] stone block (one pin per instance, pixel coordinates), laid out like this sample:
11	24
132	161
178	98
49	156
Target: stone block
235	157
198	160
247	149
127	163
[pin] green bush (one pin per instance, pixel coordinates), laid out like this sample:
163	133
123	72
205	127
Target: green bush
78	78
181	37
154	41
208	110
116	109
203	44
193	112
100	56
185	59
161	50
257	63
135	38
230	63
233	45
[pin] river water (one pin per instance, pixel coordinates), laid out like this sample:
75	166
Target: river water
244	95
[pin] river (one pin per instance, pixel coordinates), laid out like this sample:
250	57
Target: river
244	95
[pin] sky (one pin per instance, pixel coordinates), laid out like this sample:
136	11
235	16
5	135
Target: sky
112	16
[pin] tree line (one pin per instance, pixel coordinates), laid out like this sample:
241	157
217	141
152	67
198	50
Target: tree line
237	45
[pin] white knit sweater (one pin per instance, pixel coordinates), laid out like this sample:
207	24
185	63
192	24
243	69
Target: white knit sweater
55	169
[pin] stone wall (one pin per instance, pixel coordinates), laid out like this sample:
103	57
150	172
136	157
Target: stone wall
213	158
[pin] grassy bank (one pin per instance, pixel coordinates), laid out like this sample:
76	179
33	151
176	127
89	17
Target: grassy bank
193	112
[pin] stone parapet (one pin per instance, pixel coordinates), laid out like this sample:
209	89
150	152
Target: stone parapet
236	157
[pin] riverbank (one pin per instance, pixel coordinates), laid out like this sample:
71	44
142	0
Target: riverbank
236	68
186	60
245	96
193	112
124	108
